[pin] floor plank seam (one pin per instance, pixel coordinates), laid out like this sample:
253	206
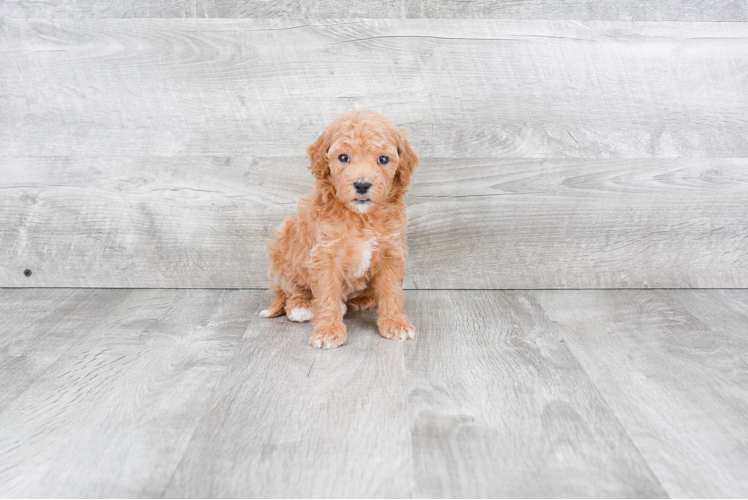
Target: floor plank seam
615	416
209	407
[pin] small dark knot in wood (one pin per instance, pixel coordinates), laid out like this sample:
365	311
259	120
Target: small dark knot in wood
27	273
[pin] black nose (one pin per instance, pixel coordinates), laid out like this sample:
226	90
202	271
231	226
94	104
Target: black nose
362	187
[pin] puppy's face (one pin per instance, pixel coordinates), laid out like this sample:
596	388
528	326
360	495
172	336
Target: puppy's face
365	157
363	169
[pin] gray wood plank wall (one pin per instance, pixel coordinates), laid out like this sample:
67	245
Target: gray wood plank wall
614	10
491	223
466	88
555	153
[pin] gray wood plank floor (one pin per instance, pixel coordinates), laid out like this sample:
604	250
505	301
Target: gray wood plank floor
665	358
504	393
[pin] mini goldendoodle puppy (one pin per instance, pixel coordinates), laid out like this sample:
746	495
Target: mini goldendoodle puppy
345	249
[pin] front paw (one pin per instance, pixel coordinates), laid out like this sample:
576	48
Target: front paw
396	329
328	336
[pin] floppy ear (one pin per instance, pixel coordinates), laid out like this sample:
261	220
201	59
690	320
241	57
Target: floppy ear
319	165
408	160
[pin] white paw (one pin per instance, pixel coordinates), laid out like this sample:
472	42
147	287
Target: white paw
343	307
264	314
300	314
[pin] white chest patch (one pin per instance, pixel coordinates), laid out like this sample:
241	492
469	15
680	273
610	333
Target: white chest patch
364	259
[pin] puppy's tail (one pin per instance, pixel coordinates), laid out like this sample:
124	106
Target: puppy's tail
277	306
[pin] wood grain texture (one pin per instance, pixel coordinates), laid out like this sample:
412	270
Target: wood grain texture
665	373
628	10
144	222
39	327
491	223
551	393
466	88
500	408
504	394
579	224
293	421
726	314
113	402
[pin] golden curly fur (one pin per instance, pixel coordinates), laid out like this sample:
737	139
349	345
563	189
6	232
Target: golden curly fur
345	248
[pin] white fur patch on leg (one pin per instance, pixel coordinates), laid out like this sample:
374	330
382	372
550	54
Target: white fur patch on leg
344	307
265	313
300	314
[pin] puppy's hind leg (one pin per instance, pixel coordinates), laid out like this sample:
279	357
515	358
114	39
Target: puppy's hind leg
362	303
299	306
277	306
362	299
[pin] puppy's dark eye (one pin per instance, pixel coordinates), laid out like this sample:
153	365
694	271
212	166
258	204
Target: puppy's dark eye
344	158
383	160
